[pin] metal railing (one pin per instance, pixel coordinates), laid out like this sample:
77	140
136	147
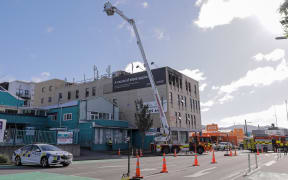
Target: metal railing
23	137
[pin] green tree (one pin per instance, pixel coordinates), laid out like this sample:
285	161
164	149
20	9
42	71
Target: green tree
283	10
143	119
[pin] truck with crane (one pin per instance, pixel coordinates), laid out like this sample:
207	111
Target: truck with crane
162	140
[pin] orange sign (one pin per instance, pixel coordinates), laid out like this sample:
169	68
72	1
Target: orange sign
212	127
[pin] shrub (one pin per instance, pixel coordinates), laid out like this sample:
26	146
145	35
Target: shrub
3	159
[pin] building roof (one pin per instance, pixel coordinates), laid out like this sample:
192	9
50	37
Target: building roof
67	104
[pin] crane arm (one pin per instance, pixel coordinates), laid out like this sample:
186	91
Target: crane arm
110	10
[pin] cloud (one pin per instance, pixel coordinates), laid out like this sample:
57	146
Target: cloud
43	77
50	29
275	55
225	98
160	34
209	103
202	86
205	109
145	4
129	68
264	117
119	2
194	74
221	12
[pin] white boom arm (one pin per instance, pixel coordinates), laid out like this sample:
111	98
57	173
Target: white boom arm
110	10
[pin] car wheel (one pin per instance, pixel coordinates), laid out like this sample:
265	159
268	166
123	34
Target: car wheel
18	161
44	162
66	164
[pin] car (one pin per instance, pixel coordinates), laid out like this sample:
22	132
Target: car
223	146
41	154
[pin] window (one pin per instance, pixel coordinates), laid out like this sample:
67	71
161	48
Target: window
26	92
69	95
94	91
50	88
191	106
195	90
100	115
179	100
77	94
49	99
171	98
182	101
43	89
94	115
87	92
185	101
60	96
194	121
42	100
196	105
67	116
53	117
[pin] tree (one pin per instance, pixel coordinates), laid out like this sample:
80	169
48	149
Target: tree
143	119
283	10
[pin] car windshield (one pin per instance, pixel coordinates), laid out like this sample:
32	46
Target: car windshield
49	148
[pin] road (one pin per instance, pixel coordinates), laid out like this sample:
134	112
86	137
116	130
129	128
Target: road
180	167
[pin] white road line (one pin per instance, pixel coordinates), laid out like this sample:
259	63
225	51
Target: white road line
269	163
201	173
143	170
109	167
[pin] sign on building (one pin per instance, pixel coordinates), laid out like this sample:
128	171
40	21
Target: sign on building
64	137
138	80
153	108
2	129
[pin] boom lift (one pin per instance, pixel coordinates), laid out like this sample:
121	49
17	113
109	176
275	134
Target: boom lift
163	138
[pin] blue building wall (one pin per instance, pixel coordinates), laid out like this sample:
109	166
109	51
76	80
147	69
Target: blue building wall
69	124
38	122
137	140
9	100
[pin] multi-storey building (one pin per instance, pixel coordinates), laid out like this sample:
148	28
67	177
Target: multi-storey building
179	95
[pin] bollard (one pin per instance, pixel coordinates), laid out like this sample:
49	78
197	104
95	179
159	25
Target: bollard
256	162
249	166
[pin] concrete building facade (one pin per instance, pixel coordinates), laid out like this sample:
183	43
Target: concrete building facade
24	90
179	96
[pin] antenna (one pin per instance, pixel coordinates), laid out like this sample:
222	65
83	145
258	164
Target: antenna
95	70
84	78
108	70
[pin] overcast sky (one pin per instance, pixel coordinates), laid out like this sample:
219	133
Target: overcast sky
227	45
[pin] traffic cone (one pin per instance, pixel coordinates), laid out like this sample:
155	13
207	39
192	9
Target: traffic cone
230	152
196	161
175	153
213	158
138	174
164	167
141	155
257	151
119	152
136	152
235	153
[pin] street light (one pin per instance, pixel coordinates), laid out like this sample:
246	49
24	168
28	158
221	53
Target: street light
140	68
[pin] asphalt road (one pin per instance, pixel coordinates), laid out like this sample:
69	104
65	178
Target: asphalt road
180	167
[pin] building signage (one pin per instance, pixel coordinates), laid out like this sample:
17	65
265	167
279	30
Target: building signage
64	137
153	108
2	129
138	80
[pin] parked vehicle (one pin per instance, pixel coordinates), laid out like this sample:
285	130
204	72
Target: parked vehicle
41	154
222	146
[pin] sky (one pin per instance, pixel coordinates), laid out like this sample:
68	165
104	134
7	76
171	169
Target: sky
229	46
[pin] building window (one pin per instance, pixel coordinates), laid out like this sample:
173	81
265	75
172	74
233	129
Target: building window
69	95
53	117
26	92
94	115
182	101
50	88
43	89
67	116
42	100
49	99
196	105
179	101
191	106
195	121
195	90
77	94
94	91
171	98
60	96
185	101
86	92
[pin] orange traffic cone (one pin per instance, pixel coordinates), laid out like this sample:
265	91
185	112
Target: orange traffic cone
235	153
119	152
164	167
175	153
141	155
196	161
230	152
138	175
257	151
213	158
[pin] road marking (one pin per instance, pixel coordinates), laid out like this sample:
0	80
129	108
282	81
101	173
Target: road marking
269	163
109	167
201	173
142	170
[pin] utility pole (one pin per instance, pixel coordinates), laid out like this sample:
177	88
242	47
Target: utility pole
245	128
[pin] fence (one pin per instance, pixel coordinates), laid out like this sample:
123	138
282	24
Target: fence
22	137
